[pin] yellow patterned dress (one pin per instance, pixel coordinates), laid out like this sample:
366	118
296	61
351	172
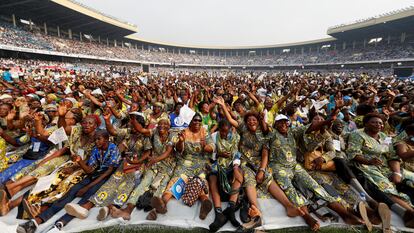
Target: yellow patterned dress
62	181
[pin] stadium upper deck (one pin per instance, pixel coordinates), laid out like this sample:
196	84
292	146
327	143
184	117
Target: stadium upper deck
66	17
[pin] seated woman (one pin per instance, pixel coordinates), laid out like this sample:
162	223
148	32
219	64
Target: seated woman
405	150
191	162
42	129
43	168
39	145
162	147
81	143
254	151
137	148
286	169
226	164
378	168
322	160
103	160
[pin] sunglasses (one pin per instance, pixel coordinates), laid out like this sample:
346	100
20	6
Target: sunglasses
197	120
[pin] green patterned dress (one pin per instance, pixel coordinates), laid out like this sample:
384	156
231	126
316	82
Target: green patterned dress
118	189
368	147
286	169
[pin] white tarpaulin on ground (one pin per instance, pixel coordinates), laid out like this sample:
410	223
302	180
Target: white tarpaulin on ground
179	215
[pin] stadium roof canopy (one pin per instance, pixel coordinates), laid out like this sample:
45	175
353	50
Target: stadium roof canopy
389	23
171	45
68	14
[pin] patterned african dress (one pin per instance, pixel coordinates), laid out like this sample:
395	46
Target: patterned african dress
25	171
251	146
192	161
62	181
37	150
224	145
4	161
286	170
158	176
368	147
153	122
324	142
120	185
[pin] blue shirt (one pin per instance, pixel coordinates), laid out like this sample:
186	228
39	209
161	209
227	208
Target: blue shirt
7	76
101	163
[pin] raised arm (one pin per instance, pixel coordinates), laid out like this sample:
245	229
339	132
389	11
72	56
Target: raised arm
94	100
253	97
140	128
220	101
339	103
62	110
40	131
122	98
109	127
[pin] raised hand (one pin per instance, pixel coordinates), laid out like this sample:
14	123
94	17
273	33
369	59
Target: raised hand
390	93
219	100
339	101
372	89
107	114
38	116
11	115
386	111
181	136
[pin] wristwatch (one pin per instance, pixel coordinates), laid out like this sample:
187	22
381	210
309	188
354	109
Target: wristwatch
262	169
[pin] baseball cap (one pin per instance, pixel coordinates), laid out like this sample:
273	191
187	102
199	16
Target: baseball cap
281	117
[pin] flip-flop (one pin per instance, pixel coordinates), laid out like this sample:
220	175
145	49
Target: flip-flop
254	222
385	215
363	212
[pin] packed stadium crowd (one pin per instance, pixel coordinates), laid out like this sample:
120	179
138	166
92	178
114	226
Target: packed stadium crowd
36	39
338	145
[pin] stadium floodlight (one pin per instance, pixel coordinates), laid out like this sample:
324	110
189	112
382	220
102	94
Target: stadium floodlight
285	50
192	51
23	21
89	37
325	46
375	40
399	63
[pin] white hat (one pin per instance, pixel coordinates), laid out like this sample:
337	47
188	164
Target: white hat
5	96
281	117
